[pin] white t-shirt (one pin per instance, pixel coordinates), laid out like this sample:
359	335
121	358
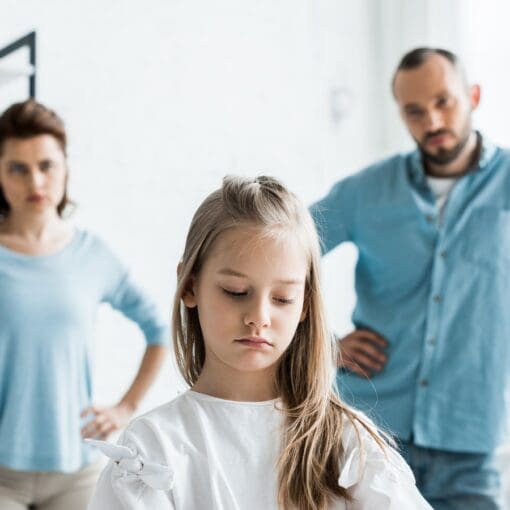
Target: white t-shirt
199	452
441	187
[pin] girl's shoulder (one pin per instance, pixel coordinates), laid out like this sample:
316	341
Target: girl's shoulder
374	473
147	450
366	450
172	431
360	432
161	423
184	417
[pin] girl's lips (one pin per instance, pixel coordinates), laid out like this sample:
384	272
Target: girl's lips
253	341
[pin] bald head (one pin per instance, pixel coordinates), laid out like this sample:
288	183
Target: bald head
434	76
417	57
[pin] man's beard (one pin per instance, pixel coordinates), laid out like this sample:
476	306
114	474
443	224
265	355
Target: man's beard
445	156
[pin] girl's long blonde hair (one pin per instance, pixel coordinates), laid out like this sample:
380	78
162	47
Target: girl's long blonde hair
309	464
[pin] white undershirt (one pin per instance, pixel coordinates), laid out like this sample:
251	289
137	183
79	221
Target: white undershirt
441	187
200	452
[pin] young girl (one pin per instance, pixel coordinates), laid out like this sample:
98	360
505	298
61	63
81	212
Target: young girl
261	427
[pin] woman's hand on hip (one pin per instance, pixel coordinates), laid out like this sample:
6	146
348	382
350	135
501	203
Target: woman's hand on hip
106	420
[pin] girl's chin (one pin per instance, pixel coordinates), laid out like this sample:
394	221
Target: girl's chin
256	364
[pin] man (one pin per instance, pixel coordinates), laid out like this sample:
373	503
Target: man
430	356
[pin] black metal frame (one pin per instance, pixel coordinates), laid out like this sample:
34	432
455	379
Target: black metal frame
27	40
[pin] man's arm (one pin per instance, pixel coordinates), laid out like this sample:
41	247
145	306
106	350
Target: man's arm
334	215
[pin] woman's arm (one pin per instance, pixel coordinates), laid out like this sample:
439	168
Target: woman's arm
109	419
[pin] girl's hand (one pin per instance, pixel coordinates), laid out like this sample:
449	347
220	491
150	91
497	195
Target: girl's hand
106	420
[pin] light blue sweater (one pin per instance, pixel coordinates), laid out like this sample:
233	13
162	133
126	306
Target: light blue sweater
47	310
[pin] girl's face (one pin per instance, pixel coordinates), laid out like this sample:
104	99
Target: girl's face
32	173
249	294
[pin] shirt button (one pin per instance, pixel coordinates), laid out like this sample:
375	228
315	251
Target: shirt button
437	298
431	341
443	254
424	382
429	218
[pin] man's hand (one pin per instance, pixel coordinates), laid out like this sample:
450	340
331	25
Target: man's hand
362	352
106	420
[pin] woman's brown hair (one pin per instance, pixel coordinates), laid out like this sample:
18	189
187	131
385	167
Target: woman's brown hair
310	460
26	120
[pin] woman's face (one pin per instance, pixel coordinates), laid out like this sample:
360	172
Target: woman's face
32	174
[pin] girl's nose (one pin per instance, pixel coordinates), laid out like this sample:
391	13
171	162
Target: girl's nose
258	315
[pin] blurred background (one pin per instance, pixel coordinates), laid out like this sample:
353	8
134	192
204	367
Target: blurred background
163	98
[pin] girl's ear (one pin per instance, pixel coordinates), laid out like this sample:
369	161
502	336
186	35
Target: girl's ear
188	294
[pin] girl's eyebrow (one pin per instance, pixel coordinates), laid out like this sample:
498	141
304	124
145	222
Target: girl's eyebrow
230	272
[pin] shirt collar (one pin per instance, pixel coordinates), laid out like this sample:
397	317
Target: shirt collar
487	153
417	171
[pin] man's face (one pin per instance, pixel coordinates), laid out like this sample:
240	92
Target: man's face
436	104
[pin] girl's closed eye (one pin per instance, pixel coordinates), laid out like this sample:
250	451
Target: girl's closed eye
284	300
234	293
240	294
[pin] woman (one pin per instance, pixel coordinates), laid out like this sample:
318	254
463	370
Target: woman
52	279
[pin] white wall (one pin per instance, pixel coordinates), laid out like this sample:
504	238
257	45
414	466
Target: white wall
486	43
163	98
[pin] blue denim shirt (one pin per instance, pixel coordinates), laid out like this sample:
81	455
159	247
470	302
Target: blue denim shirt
438	289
